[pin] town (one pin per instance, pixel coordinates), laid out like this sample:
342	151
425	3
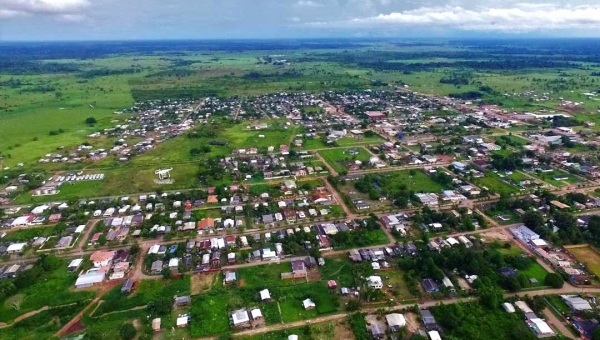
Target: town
393	208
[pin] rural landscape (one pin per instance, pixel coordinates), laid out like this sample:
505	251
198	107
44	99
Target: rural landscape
300	189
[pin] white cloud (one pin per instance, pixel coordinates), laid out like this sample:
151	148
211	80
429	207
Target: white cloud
72	17
56	7
5	13
518	18
308	3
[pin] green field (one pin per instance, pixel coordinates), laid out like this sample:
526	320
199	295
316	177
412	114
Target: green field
419	182
492	182
549	177
55	290
147	291
338	158
513	139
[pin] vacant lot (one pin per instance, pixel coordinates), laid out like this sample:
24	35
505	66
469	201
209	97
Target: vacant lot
557	178
493	183
55	290
587	256
338	158
418	181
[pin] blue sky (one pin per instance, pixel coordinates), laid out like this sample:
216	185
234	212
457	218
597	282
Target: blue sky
222	19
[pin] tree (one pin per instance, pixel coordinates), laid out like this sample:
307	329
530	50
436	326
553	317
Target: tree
554	280
533	220
134	250
596	335
166	273
127	331
163	306
91	121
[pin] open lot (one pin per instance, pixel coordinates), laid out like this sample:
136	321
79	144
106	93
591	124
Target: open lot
587	256
557	178
492	182
338	158
55	290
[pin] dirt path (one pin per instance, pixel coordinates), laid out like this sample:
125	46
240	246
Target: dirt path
24	316
334	317
77	318
329	167
90	227
554	321
338	198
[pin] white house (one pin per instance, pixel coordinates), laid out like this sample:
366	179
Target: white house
375	282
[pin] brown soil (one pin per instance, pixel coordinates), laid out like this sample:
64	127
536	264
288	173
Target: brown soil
76	327
199	282
343	331
412	322
241	283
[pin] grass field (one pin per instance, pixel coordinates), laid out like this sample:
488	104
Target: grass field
338	269
42	325
420	182
147	291
492	182
513	139
535	271
55	290
549	177
518	176
587	256
558	303
338	157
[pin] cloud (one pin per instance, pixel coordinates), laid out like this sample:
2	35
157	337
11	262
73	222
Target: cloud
308	3
518	18
6	13
52	7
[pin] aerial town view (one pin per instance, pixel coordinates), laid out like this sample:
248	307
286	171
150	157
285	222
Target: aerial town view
299	170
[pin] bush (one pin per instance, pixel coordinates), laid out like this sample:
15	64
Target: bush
127	331
91	121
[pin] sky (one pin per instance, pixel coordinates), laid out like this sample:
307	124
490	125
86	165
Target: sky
40	20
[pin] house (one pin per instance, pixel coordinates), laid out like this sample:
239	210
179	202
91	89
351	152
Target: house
308	304
230	278
240	318
255	314
508	272
377	331
459	166
585	327
430	286
127	286
102	258
156	267
74	265
539	327
375	282
181	301
508	307
265	295
395	321
88	279
206	223
434	335
156	325
576	303
16	248
428	320
182	321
